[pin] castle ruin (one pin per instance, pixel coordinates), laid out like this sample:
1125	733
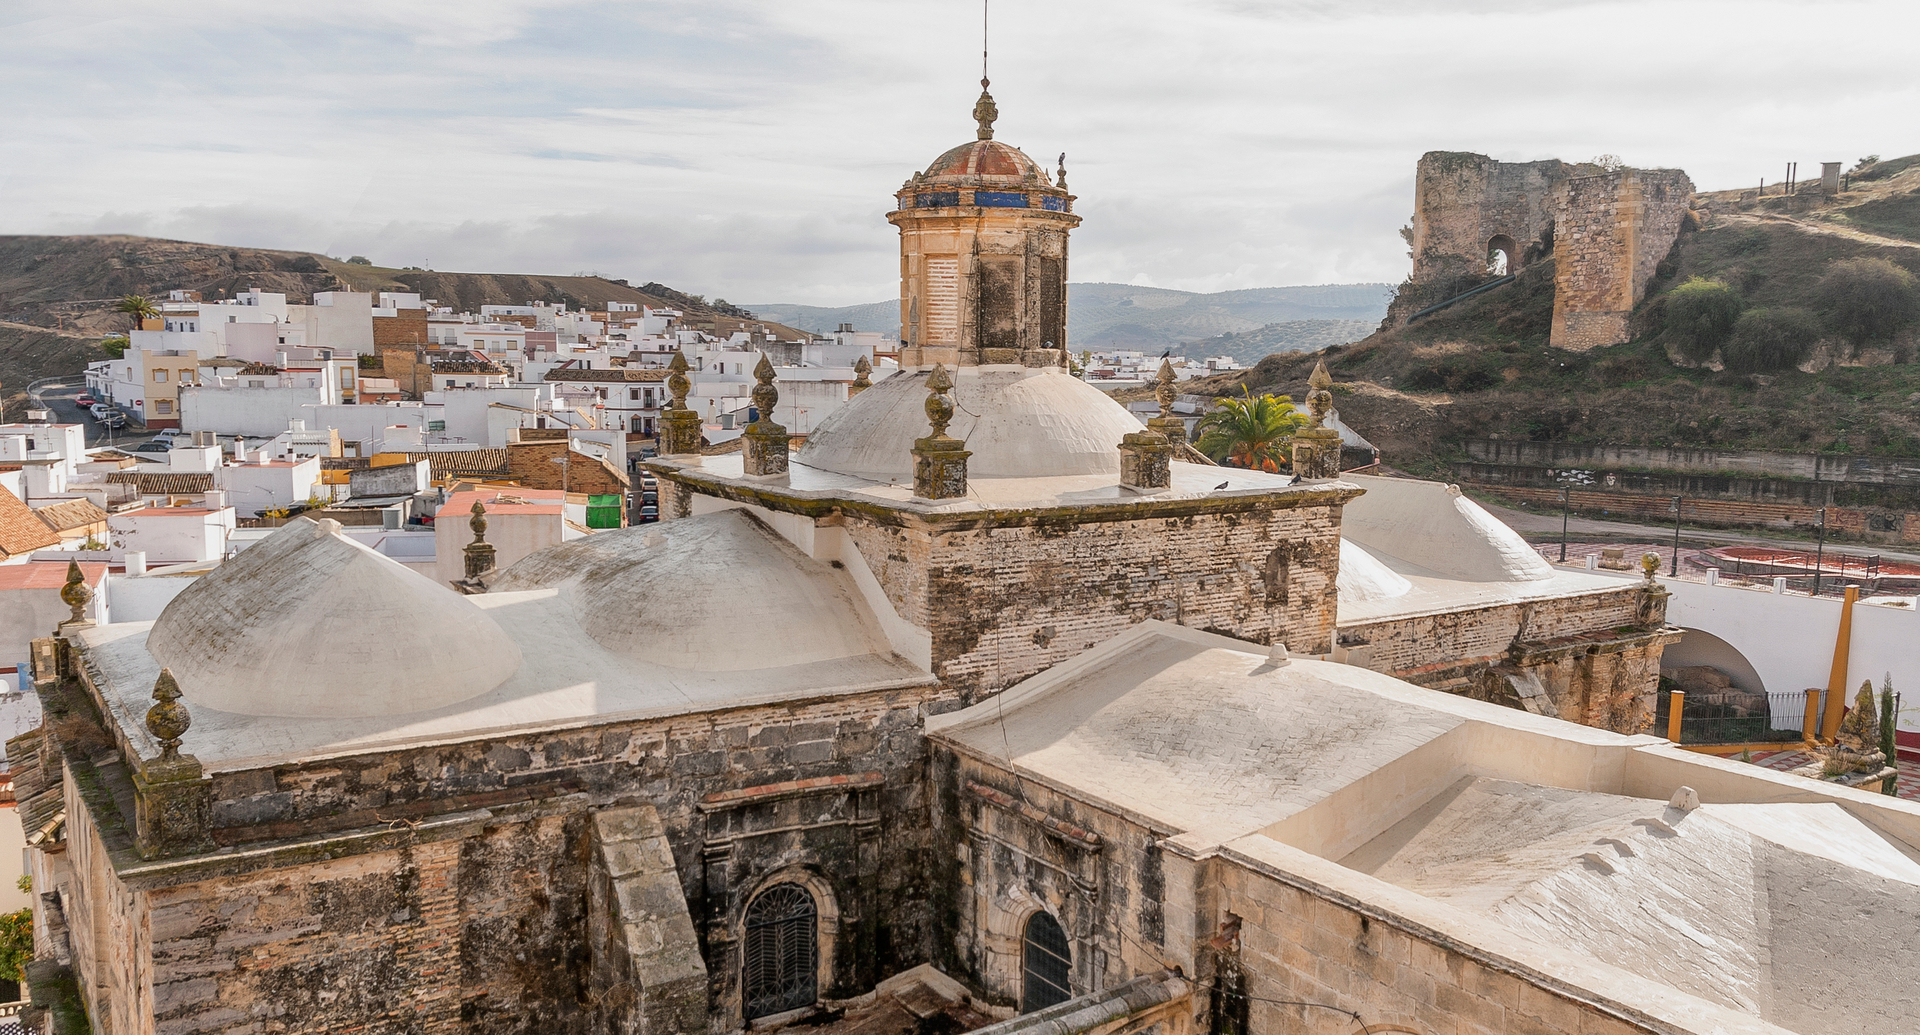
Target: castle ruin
1606	231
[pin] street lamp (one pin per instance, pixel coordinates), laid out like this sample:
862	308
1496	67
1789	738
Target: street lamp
1675	507
1569	479
566	467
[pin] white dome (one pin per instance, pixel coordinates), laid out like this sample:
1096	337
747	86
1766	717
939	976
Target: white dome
1019	423
308	623
720	592
1364	579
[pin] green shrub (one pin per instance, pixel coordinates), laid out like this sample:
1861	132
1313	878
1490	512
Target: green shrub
1868	299
16	944
115	345
1765	340
1699	316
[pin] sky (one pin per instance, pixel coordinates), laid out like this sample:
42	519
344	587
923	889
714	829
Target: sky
750	150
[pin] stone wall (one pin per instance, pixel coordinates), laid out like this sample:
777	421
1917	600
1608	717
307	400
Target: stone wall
1610	233
1010	848
532	465
1003	603
1296	946
443	888
1592	658
1462	201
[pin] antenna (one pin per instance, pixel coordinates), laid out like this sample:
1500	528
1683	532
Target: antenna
983	42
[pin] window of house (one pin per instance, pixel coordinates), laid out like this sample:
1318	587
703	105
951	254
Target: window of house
649	401
159	376
633	395
781	962
163	406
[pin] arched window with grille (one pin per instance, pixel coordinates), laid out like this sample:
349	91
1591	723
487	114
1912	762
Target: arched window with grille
1046	961
781	969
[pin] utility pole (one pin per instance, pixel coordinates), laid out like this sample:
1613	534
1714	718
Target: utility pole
1675	506
1819	550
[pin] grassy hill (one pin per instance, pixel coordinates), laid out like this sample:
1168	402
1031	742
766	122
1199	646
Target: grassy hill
57	293
1484	367
1126	316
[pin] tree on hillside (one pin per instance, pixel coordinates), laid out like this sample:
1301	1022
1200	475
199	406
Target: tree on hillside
1250	432
138	307
1699	316
1765	340
1868	299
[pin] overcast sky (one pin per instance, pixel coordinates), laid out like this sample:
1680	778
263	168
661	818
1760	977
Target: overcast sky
749	150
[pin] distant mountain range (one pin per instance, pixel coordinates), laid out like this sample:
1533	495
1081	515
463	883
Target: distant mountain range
1126	316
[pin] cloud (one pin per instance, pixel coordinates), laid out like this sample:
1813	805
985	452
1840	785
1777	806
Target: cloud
750	150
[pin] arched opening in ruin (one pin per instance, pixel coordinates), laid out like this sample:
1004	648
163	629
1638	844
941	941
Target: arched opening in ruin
1046	961
1502	256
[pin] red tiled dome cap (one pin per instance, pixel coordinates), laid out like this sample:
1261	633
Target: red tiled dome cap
988	158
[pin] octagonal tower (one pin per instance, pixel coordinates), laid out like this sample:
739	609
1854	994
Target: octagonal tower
983	256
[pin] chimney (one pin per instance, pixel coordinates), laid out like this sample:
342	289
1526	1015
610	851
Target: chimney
216	498
136	562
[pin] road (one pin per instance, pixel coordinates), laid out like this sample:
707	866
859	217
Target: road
59	394
1541	528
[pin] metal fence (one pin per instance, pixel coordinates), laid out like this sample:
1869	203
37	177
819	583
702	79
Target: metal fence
1736	717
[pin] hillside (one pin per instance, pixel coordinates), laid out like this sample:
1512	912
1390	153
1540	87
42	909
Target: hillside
1484	368
1250	347
1127	317
57	293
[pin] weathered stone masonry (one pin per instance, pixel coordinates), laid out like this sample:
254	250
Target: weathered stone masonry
444	888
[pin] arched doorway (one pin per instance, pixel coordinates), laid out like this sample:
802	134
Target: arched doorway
1502	257
1045	964
781	961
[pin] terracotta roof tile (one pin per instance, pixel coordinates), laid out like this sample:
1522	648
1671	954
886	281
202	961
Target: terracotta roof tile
21	530
72	514
165	483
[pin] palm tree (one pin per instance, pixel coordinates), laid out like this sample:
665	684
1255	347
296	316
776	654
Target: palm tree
139	307
1250	432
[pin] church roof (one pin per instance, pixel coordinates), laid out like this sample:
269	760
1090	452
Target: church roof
681	593
549	658
1707	901
311	623
1018	423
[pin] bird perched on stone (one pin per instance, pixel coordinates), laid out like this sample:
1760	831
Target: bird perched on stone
1222	485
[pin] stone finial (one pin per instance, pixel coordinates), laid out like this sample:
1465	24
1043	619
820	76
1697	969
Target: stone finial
984	112
480	559
939	407
1316	447
765	395
861	382
168	720
678	385
76	594
1320	396
939	460
1062	181
1686	799
1163	387
1650	564
763	447
679	426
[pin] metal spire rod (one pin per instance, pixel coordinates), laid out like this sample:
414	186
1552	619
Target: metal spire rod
983	39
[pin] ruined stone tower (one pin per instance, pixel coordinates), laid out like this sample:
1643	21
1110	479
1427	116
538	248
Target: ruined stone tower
983	256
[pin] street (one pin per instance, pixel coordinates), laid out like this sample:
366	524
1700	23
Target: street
58	395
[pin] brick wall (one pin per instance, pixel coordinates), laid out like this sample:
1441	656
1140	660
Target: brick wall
408	327
1004	603
531	464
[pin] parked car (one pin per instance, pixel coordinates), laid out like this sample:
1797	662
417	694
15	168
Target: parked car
649	514
155	446
85	400
99	410
114	419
